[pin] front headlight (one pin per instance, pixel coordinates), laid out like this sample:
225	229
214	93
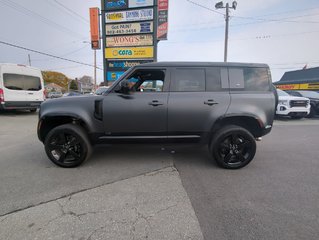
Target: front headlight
283	102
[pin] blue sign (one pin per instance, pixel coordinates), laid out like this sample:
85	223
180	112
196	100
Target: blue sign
116	4
113	76
145	27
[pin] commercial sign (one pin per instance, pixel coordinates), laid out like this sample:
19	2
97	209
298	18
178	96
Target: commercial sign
162	20
95	28
299	86
113	76
129	52
116	4
131	40
118	66
129	28
140	3
124	4
129	16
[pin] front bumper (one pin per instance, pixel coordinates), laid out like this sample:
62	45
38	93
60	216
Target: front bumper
284	110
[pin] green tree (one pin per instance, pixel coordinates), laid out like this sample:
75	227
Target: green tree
55	77
73	85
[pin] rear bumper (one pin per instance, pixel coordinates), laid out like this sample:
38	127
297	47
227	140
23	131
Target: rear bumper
20	105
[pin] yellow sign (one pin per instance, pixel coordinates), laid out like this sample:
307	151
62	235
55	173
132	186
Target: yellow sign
129	52
301	86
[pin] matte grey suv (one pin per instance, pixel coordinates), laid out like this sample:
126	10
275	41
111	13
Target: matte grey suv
224	105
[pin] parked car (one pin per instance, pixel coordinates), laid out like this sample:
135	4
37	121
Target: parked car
55	94
295	107
101	90
224	105
21	87
314	100
71	94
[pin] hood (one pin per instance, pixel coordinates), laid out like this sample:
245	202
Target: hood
283	98
70	102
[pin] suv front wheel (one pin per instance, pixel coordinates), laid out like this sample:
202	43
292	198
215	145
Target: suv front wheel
233	147
67	145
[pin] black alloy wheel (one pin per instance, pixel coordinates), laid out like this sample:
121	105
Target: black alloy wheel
67	146
233	147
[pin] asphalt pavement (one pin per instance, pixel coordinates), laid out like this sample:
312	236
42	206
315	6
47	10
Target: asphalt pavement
275	197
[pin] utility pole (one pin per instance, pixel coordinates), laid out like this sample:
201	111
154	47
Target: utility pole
29	57
221	5
94	69
226	32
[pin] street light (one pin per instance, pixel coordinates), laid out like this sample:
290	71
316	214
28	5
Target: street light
94	64
221	5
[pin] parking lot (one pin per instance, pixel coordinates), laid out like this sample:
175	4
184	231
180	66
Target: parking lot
275	197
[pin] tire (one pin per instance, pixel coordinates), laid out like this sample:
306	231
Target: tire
33	110
312	112
67	146
233	147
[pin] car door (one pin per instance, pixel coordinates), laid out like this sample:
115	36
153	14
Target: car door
198	97
143	111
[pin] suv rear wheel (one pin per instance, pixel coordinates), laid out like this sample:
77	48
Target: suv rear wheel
67	145
233	147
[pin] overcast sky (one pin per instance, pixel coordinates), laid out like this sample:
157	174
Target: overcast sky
281	33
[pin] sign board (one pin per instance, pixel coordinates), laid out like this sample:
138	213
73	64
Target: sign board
140	3
95	28
118	66
116	4
162	20
113	76
299	86
129	52
129	16
129	28
131	40
124	4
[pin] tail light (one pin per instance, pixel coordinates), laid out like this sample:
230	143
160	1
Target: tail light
1	95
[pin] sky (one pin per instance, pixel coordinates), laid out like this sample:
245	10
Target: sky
282	33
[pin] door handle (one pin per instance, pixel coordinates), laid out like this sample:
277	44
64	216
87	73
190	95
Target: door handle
155	103
30	93
210	102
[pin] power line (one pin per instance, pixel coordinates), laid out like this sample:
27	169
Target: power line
47	54
64	55
72	12
202	6
280	20
41	18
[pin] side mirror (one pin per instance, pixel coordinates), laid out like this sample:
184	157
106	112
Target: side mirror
125	87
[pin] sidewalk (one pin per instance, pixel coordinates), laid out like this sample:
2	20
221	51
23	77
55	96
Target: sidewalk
150	206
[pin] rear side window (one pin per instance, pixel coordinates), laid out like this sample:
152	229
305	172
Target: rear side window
249	79
213	79
188	80
21	82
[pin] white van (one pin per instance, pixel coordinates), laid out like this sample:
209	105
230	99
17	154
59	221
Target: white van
21	87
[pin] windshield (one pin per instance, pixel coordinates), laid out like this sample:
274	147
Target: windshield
282	93
309	94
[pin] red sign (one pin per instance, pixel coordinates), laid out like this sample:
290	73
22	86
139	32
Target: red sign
162	20
95	28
